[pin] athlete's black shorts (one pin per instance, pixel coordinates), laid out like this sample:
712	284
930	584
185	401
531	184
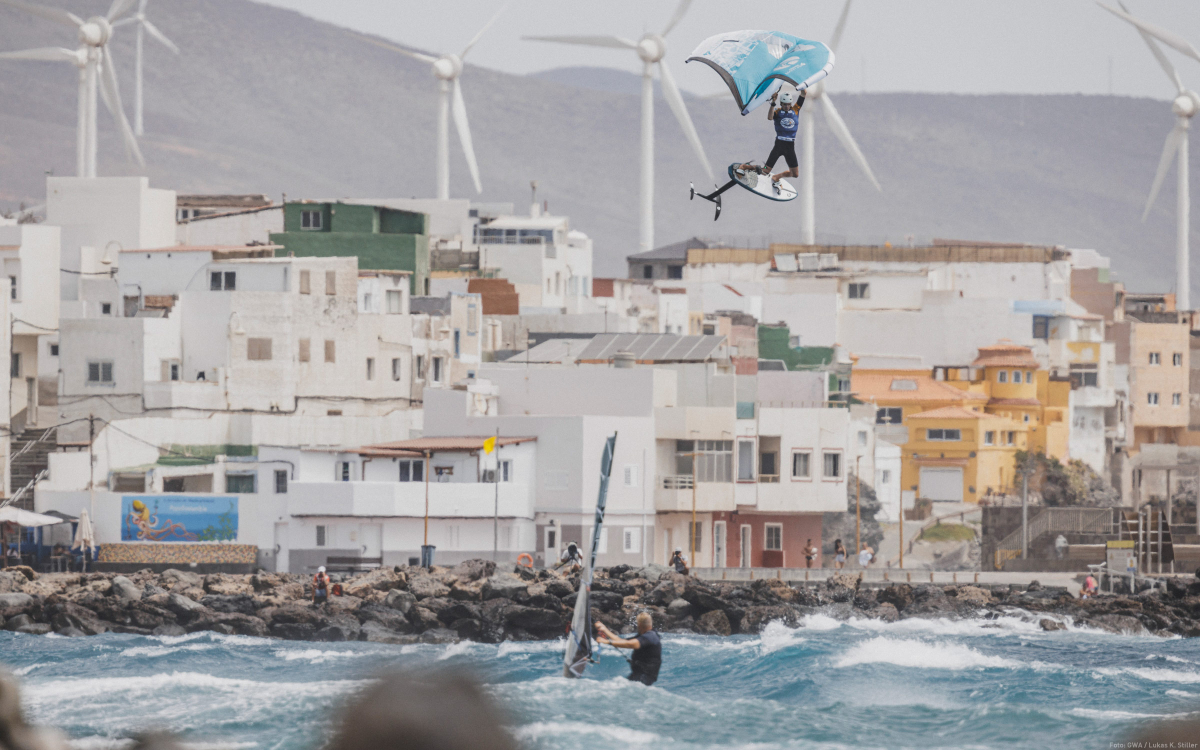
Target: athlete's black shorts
786	149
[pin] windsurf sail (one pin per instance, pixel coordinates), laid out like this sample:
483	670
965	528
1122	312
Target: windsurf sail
580	645
754	64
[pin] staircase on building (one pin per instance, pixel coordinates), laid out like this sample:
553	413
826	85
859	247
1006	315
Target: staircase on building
37	444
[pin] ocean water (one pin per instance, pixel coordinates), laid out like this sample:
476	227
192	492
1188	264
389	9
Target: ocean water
862	684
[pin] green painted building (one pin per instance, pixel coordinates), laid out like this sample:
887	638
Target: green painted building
383	239
774	342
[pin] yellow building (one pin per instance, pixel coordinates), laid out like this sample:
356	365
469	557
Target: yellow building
959	428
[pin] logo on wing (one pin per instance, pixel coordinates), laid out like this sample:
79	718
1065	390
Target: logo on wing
790	62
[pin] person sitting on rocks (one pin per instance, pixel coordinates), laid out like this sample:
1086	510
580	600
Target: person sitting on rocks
646	647
679	562
320	593
1089	586
571	556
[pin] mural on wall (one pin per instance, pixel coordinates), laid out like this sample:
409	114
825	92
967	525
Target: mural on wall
178	518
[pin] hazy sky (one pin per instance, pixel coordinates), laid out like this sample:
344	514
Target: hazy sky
958	46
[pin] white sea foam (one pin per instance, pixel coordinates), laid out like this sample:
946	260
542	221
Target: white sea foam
512	648
1114	715
455	649
1154	674
22	671
119	743
153	652
920	654
776	636
316	656
625	736
130	687
1180	693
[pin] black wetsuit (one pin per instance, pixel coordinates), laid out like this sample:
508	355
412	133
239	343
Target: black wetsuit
647	658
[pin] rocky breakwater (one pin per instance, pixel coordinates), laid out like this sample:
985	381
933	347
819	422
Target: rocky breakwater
477	601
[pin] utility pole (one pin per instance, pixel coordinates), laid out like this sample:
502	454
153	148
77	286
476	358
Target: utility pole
692	531
858	507
426	552
1025	512
496	512
91	476
901	530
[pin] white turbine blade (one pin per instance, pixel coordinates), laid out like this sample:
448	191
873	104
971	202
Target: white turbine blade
458	110
58	15
591	41
141	6
841	26
1174	138
1158	55
675	100
124	22
1159	33
161	37
52	54
486	26
119	8
112	98
680	11
838	126
410	53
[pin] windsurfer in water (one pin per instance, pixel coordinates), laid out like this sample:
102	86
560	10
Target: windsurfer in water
646	647
786	117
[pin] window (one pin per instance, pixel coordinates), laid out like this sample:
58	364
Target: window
344	471
631	472
457	343
281	481
304	350
241	483
106	308
631	539
13	291
305	282
647	272
368	302
310	220
420	366
472	319
1155	358
833	465
54	350
674	272
697	531
1002	376
320	536
801	464
989	437
773	536
943	435
713	462
100	372
14	365
258	349
768	465
505	468
1029	376
1011	438
370	368
1016	376
1152	399
843	385
860	291
330	350
397	363
888	415
1176	399
395	301
412	470
1041	326
862	437
222	281
1025	418
1090	379
331	282
745	465
885	476
1177	359
437	369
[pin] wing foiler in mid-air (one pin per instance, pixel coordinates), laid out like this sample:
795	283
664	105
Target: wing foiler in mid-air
755	64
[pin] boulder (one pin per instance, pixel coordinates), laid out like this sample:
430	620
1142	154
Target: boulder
24	570
1120	624
380	579
340	628
972	596
294	613
618	571
679	608
293	631
885	612
558	587
702	597
713	622
606	601
241	603
173	577
422	619
184	608
15	603
503	586
402	601
899	595
613	586
126	590
70	631
459	611
221	583
385	617
439	636
425	587
16	622
928	599
651	572
534	620
1049	625
377	632
169	629
11	581
773	590
466	592
467	629
474	570
34	628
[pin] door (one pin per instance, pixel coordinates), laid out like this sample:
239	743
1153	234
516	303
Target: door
718	544
550	545
745	556
281	548
942	484
668	548
370	540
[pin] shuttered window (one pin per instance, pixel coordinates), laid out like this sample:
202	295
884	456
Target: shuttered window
258	349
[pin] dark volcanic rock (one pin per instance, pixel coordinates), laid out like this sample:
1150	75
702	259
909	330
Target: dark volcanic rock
757	618
538	621
230	603
713	622
383	615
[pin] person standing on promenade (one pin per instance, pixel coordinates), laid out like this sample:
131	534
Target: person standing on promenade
839	554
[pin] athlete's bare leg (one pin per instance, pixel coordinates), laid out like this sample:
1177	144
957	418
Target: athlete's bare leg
790	173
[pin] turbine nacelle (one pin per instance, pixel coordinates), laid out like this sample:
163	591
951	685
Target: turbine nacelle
1186	104
652	48
447	67
95	32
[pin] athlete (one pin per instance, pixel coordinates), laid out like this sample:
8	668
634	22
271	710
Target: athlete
646	647
786	117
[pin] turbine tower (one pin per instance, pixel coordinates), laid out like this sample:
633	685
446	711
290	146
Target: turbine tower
651	48
143	26
816	94
447	69
1185	106
94	61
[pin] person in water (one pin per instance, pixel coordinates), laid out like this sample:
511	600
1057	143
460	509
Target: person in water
786	117
646	647
320	586
679	562
839	554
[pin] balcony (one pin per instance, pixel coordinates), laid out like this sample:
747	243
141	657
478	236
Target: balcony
677	482
407	499
675	493
768	478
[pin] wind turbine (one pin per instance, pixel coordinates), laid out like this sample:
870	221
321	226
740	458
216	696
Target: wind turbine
816	94
1185	106
143	26
447	69
651	48
94	61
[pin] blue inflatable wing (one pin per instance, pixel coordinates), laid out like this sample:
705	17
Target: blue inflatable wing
755	64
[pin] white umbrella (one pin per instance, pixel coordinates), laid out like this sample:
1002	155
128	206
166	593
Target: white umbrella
85	534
